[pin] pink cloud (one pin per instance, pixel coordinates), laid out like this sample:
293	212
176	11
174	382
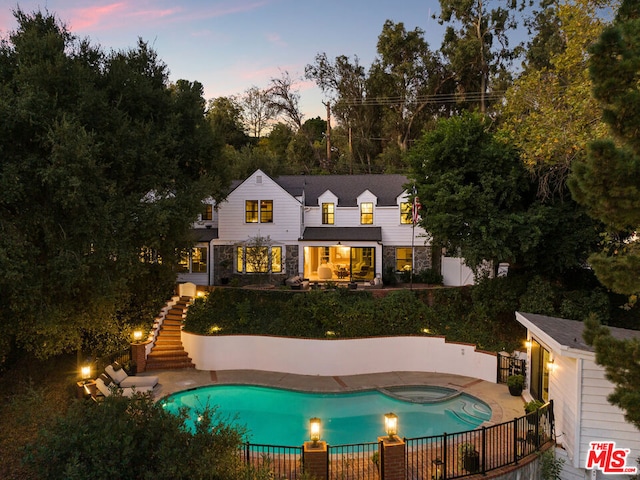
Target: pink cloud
276	39
92	17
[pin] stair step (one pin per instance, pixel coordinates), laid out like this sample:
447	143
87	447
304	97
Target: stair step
169	366
165	347
176	352
173	322
168	341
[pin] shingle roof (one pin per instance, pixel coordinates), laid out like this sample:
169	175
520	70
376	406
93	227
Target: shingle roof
371	234
346	187
569	332
204	234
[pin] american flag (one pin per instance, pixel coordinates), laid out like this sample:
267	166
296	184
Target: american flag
415	210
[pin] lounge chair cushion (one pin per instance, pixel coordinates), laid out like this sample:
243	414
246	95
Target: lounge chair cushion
106	387
124	380
116	372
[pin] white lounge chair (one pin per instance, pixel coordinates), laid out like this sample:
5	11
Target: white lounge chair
120	377
106	386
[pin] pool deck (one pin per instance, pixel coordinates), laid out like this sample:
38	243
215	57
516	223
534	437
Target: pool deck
504	407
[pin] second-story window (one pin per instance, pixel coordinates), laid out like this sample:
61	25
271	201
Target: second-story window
207	211
258	211
328	213
405	213
266	211
366	213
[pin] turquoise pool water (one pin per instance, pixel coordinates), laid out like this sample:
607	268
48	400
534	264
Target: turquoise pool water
275	416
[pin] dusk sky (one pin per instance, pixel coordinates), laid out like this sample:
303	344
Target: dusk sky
231	45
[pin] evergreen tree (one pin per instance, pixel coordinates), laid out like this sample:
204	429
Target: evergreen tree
607	182
101	159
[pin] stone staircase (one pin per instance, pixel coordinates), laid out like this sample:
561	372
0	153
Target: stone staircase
168	351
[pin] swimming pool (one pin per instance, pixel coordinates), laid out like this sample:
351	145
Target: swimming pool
275	416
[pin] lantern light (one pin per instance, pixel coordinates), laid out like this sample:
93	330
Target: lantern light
85	372
137	335
314	428
391	424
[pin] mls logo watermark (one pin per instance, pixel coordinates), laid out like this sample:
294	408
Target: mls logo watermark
604	456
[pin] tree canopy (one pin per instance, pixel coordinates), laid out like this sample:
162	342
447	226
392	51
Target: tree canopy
472	189
101	160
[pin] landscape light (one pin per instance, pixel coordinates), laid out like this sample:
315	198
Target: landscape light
391	424
438	466
137	335
85	372
314	428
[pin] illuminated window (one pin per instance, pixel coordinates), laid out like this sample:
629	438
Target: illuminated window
328	212
263	215
259	259
366	213
405	213
193	261
266	211
207	212
404	259
251	211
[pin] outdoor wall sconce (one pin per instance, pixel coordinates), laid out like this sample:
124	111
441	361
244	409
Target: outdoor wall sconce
85	372
527	344
551	366
438	466
391	424
137	335
314	429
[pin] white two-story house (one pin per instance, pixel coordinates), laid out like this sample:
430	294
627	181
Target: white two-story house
341	228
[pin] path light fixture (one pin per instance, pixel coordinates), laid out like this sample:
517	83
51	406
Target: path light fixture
85	372
314	430
391	424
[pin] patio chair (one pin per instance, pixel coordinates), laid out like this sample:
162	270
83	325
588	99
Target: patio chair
363	272
120	377
106	386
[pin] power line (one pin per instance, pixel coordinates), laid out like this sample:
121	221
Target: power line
436	99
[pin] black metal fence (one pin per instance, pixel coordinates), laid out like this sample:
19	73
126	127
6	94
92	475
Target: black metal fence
510	365
279	462
460	455
357	461
440	457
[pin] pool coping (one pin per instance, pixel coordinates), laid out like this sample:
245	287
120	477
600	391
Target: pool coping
504	407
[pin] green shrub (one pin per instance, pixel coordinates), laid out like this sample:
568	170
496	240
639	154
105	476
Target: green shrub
135	438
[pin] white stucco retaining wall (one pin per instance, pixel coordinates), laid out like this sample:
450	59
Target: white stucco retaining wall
338	357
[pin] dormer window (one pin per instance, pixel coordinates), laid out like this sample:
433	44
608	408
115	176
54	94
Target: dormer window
328	213
366	213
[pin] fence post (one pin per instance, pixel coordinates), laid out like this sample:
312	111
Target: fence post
315	460
393	458
139	356
444	454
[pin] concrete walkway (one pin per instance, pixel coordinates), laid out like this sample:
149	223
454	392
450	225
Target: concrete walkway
504	406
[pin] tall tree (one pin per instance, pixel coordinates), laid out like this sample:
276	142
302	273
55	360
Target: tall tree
473	190
607	182
225	115
345	82
550	113
257	111
476	45
407	74
100	158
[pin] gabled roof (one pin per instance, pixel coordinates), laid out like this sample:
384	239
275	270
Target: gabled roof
568	333
387	188
369	234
